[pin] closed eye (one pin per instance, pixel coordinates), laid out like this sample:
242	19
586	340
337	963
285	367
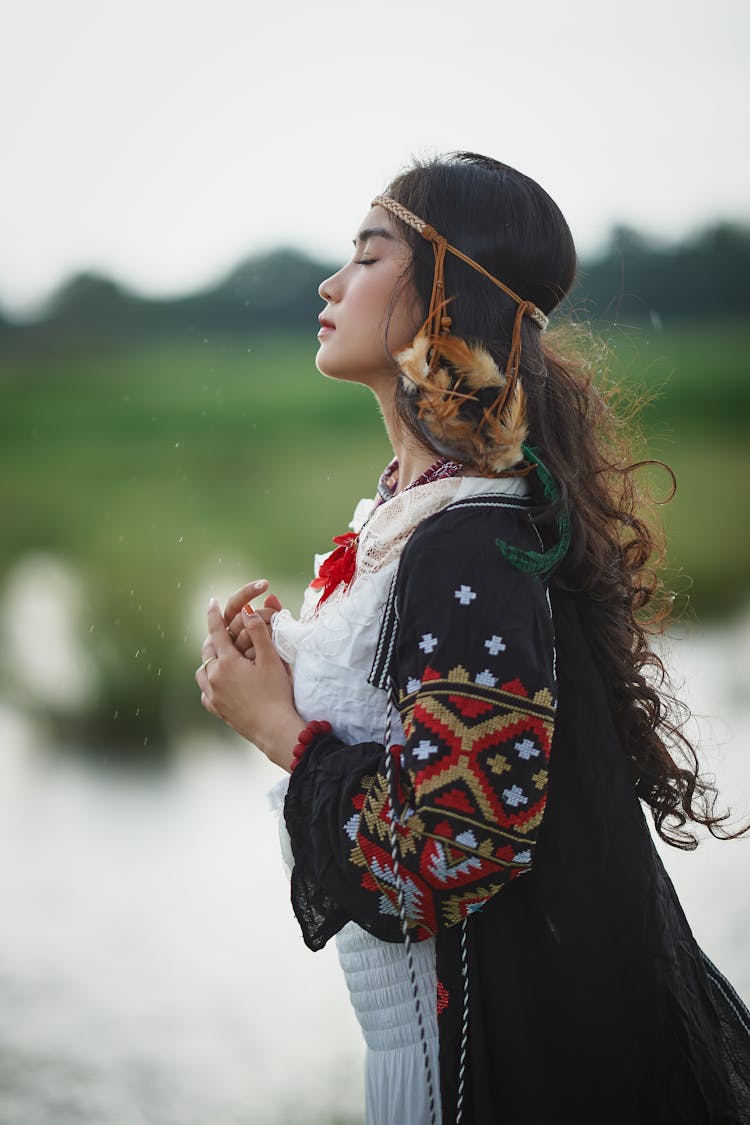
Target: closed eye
364	261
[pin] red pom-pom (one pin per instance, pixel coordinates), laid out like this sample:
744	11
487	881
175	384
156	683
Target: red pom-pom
306	736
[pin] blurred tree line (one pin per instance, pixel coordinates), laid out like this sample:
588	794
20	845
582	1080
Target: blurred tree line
154	448
634	280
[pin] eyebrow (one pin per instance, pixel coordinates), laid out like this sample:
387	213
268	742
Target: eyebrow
374	232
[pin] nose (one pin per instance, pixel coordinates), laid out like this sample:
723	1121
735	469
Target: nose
330	289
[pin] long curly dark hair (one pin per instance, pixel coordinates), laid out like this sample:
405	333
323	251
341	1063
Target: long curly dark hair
506	222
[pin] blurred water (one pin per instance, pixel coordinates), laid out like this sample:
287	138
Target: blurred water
150	969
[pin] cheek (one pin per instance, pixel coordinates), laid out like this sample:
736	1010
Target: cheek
404	324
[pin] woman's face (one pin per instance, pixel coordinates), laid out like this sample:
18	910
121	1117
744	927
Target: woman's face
362	322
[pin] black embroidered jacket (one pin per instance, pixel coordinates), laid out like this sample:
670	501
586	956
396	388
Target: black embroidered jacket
471	655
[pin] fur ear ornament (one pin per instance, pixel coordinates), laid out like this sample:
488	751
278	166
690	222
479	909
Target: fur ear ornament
461	401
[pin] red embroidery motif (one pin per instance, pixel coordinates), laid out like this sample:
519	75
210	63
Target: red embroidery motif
471	708
443	997
515	687
456	799
338	567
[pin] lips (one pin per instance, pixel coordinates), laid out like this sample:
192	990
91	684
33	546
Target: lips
325	323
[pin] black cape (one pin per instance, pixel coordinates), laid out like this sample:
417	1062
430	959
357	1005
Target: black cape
590	1001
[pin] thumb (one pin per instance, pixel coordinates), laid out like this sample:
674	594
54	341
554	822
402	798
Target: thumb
272	602
258	633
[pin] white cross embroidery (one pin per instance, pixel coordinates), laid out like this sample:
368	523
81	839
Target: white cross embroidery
514	797
495	645
424	751
527	749
485	678
413	684
465	595
428	643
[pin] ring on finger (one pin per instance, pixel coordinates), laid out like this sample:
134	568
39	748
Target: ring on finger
208	661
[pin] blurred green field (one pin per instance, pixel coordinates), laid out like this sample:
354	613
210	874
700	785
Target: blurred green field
164	470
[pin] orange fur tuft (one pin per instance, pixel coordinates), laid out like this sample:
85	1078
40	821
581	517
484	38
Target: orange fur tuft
459	371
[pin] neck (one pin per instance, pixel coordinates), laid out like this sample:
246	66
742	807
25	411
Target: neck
414	458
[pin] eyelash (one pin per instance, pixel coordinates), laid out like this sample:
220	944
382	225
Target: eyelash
364	261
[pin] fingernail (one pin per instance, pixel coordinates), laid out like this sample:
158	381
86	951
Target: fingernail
260	582
248	609
213	603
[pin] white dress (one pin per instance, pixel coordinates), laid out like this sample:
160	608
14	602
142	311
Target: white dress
331	653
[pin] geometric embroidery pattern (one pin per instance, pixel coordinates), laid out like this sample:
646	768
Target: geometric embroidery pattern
474	787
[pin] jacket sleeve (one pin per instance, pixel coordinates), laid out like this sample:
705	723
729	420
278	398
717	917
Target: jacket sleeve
473	670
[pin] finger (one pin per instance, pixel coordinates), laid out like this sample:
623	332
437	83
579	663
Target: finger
217	630
206	702
259	635
243	642
235	626
272	602
207	655
245	593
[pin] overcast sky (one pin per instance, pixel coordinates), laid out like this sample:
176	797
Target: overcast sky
160	142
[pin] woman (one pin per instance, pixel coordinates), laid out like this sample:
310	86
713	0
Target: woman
466	707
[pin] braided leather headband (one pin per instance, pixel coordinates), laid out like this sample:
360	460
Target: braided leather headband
441	245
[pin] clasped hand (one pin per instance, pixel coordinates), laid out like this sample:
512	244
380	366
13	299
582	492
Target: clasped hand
243	680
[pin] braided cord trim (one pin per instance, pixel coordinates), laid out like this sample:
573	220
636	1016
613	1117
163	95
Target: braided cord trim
402	912
464	1025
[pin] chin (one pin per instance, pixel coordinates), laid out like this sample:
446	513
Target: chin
328	366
